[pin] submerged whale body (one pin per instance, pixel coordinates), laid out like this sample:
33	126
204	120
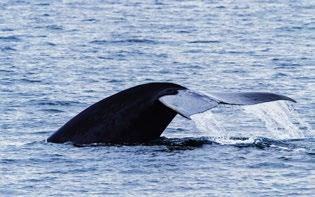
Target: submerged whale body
141	113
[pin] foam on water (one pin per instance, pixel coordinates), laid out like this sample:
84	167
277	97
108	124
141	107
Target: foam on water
280	119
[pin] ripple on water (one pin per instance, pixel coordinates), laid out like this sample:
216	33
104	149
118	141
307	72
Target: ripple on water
10	39
127	41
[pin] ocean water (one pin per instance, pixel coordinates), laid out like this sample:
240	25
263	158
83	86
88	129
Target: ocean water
59	57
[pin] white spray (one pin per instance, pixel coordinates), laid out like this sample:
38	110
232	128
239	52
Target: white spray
280	119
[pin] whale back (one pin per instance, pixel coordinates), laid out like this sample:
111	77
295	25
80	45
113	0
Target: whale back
130	116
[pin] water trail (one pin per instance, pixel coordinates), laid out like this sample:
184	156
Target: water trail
207	122
281	120
210	125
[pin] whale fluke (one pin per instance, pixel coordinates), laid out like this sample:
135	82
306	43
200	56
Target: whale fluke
248	98
141	113
188	103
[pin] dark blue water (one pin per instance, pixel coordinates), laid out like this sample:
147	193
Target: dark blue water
58	57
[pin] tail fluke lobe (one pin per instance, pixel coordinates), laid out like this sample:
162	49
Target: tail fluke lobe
248	98
187	102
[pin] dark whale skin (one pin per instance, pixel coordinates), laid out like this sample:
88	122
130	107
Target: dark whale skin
134	115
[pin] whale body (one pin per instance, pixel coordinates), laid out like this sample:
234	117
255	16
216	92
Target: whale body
141	113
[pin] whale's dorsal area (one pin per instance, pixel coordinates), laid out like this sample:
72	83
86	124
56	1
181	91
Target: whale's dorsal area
141	113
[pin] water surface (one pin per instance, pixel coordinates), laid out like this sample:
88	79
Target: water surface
59	57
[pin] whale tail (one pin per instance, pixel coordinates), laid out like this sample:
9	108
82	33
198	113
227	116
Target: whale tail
141	113
187	102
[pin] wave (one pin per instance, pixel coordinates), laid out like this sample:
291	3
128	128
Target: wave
127	41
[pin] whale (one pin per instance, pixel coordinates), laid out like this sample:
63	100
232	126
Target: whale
141	113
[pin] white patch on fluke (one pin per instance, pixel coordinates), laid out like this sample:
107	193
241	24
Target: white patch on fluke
187	102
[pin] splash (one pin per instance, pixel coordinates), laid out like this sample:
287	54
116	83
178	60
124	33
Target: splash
280	119
209	124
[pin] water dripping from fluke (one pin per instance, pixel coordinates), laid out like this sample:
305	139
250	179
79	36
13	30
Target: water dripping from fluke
209	124
282	122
